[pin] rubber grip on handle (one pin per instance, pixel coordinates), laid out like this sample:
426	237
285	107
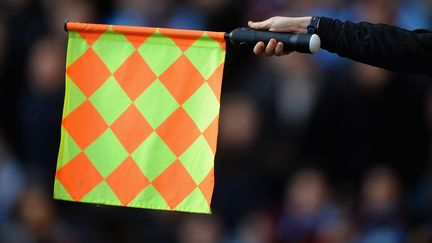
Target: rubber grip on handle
304	43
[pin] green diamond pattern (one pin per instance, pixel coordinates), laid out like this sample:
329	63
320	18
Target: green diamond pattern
69	151
73	97
156	104
153	156
205	48
195	202
113	154
198	159
113	49
159	52
76	47
102	193
202	106
149	197
110	100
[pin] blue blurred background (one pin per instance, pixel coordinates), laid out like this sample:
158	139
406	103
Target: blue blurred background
312	149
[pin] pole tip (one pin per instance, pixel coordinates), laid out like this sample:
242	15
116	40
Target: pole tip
227	36
65	25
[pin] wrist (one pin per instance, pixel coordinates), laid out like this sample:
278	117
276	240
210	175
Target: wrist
313	25
304	23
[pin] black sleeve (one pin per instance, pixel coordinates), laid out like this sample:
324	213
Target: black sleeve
379	45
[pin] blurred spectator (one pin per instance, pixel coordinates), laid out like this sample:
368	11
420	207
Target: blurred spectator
413	14
12	182
136	12
221	15
240	127
46	67
165	13
255	227
240	122
310	215
36	221
297	84
57	12
24	23
369	117
380	219
40	108
200	229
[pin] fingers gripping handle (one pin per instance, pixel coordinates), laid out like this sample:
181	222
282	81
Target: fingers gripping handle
304	43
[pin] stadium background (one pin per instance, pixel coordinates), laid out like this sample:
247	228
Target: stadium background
311	148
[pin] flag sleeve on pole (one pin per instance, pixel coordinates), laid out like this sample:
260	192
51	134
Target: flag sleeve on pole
140	117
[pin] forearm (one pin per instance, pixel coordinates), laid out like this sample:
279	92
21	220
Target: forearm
380	45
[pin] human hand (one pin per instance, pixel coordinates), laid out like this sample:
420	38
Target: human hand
278	24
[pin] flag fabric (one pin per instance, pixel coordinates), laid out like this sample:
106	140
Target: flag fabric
140	117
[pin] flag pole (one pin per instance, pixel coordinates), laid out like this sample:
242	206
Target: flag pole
303	43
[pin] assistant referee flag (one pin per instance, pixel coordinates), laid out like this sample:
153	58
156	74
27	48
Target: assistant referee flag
140	117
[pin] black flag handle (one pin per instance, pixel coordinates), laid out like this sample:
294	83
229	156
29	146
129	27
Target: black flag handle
304	43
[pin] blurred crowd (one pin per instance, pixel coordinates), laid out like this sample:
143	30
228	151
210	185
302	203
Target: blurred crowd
312	149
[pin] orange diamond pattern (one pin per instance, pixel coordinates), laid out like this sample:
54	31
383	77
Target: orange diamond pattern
176	130
88	72
84	124
127	181
131	128
79	176
178	125
134	76
174	184
182	79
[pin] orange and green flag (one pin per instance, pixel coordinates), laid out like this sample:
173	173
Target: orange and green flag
140	117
